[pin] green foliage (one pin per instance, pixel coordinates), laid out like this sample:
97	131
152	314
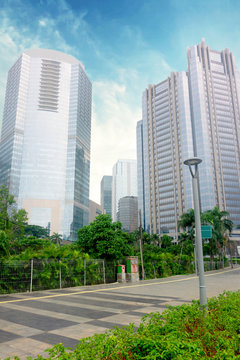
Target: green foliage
180	333
56	238
187	220
166	241
11	221
6	201
104	239
4	244
36	231
221	227
30	243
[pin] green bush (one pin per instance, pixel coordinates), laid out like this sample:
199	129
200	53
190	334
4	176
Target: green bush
181	333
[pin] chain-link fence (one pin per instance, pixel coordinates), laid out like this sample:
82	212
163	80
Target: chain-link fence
42	274
164	268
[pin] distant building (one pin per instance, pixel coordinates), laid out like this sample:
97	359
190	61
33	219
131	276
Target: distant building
95	209
106	194
124	182
45	139
128	213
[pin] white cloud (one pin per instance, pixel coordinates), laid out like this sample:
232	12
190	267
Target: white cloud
42	22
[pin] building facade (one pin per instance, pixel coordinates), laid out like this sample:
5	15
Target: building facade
95	209
106	194
214	83
45	139
128	213
124	182
164	141
193	113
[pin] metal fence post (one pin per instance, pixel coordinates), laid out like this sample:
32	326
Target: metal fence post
60	275
84	281
31	279
104	275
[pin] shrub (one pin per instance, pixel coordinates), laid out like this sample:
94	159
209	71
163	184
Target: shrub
181	333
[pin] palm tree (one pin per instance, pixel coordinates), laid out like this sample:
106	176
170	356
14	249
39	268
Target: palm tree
221	228
187	223
56	238
187	220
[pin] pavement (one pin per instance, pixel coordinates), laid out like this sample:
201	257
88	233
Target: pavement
32	322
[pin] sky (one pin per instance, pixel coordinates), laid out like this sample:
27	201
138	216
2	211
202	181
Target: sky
125	45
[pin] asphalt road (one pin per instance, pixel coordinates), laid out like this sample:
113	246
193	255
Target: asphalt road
33	322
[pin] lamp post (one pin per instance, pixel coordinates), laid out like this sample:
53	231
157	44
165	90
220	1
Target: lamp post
194	162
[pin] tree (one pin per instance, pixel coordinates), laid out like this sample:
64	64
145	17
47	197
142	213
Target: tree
56	238
104	239
18	222
12	221
186	244
166	241
6	201
187	220
36	230
221	228
4	244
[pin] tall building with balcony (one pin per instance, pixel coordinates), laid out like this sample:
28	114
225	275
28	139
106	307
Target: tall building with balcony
106	194
124	182
193	113
45	139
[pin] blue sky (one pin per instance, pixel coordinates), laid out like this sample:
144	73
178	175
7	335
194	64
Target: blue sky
124	45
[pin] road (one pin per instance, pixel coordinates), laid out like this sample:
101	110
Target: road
33	322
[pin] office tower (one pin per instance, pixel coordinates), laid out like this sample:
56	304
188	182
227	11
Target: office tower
142	177
95	209
128	213
45	140
106	194
124	182
194	113
215	101
164	140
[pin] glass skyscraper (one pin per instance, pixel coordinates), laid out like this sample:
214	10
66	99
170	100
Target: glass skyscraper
214	83
193	113
45	139
106	194
124	182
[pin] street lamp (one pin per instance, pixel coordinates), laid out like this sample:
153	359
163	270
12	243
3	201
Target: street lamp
194	162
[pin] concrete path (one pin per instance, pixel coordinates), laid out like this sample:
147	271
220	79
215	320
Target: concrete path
33	322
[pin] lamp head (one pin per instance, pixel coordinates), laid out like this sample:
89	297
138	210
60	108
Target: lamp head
192	161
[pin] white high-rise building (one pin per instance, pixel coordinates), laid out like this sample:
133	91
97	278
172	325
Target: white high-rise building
164	140
193	113
45	139
124	182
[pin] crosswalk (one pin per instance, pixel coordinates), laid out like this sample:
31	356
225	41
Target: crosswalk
33	322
